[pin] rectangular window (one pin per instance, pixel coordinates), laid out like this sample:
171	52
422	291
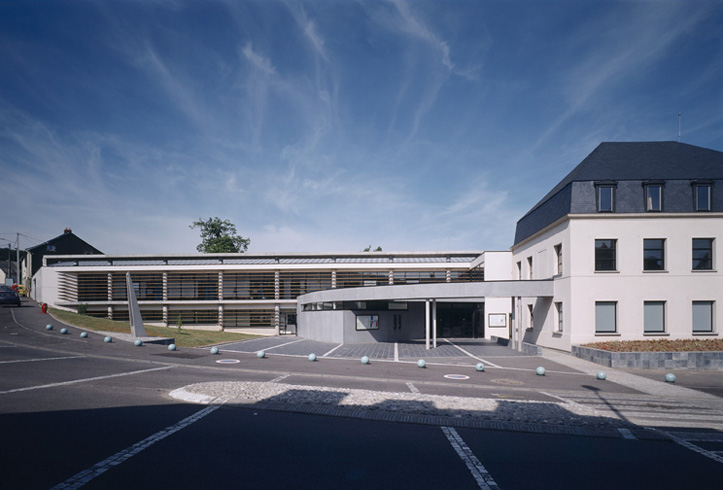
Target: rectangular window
606	317
702	197
702	316
530	309
605	259
558	307
558	255
605	198
654	254
653	197
654	316
519	270
702	254
529	268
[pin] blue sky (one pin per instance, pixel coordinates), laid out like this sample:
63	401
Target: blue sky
328	126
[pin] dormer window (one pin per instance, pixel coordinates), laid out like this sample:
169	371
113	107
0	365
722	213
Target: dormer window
702	191
653	196
605	196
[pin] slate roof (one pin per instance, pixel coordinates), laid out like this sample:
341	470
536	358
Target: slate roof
635	161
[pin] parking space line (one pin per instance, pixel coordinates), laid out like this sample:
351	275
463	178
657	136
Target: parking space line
39	360
84	380
480	474
396	351
689	445
332	350
412	388
98	469
279	378
473	356
281	345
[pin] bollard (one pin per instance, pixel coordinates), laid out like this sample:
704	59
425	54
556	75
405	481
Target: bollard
261	354
48	327
540	371
83	335
108	339
421	363
172	347
138	343
64	331
365	360
670	378
214	350
312	357
601	375
480	367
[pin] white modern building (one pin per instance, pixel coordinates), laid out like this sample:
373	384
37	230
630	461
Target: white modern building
624	247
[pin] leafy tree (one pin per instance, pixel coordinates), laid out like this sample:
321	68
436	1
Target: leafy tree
219	236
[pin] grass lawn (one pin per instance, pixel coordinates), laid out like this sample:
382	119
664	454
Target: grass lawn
183	338
660	345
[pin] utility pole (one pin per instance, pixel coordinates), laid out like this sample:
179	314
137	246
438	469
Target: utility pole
17	255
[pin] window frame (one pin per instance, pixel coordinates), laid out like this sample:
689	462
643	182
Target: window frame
613	249
708	186
650	206
647	247
605	186
710	249
531	315
614	305
559	326
530	275
558	256
661	329
711	318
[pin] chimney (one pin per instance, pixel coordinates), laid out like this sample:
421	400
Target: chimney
67	230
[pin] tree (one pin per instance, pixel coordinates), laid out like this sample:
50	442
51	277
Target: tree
219	236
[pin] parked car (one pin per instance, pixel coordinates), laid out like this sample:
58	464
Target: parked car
9	296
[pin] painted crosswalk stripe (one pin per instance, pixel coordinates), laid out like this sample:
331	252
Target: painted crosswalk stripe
480	474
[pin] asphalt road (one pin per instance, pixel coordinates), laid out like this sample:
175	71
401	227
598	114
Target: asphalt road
84	413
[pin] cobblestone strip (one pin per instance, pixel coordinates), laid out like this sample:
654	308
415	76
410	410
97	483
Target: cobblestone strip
479	472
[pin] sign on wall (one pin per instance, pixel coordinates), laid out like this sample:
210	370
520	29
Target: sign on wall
497	319
367	322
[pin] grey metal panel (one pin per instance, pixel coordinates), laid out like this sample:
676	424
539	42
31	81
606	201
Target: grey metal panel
499	289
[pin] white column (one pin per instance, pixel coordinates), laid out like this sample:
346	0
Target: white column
426	324
434	322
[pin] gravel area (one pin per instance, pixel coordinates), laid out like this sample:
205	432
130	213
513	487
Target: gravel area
286	396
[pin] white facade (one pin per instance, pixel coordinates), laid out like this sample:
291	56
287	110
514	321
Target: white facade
629	287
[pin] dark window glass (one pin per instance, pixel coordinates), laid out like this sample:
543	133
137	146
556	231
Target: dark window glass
605	198
702	197
605	255
702	254
654	254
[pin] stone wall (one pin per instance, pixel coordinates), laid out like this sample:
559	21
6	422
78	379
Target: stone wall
701	361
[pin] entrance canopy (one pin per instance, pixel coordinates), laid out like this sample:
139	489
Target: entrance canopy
430	294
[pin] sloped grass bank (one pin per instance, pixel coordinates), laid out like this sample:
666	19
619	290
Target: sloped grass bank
183	338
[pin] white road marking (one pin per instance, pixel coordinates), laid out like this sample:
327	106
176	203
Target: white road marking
279	378
332	350
412	388
39	360
480	474
98	469
473	356
281	345
84	380
687	444
396	352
